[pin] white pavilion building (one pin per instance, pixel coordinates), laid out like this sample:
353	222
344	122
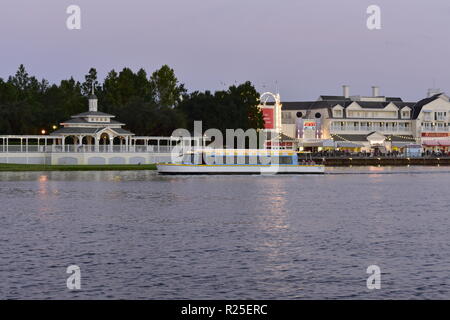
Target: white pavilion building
94	130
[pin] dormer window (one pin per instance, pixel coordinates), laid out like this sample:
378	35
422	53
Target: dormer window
405	114
338	112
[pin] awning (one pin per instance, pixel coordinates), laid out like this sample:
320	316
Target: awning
328	143
400	144
444	143
436	143
347	144
312	144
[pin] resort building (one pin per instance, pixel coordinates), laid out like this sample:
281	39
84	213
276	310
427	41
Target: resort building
366	123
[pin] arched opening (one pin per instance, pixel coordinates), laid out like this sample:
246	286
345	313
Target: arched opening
70	140
118	140
104	139
88	143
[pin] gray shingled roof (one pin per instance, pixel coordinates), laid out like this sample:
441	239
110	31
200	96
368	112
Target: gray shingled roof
314	105
74	130
350	137
334	98
419	105
93	113
394	99
83	121
270	135
363	137
402	138
121	131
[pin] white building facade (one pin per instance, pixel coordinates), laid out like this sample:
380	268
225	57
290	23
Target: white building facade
368	123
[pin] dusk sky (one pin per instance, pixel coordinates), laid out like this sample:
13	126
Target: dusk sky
309	47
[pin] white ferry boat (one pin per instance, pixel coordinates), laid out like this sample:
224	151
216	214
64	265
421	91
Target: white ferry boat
235	161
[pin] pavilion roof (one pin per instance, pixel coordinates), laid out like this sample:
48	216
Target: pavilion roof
83	121
88	131
93	113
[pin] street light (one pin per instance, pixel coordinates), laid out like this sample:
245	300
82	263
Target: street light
43	131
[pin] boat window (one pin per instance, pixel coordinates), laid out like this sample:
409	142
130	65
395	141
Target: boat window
251	160
254	160
220	159
230	160
285	160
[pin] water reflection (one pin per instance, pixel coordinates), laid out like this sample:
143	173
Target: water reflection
141	235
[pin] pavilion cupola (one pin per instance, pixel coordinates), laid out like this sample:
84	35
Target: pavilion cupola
93	101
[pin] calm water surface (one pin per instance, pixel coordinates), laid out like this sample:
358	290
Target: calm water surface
137	235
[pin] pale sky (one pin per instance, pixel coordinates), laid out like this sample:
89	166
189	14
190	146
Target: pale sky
308	47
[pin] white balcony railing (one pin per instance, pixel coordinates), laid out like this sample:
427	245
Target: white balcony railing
370	129
86	148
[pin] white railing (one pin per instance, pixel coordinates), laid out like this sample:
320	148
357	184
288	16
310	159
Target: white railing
370	129
86	148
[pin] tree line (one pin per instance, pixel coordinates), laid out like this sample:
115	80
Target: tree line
154	104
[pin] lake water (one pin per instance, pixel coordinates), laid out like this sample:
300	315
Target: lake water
137	235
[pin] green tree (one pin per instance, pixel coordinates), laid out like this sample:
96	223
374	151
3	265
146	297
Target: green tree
148	106
235	108
90	80
166	88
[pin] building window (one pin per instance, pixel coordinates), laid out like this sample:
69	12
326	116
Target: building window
286	117
405	114
337	113
440	116
426	125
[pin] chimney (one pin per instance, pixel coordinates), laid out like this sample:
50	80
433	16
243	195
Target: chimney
432	92
375	91
346	91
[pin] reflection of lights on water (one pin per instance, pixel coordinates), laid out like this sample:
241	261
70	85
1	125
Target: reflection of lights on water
43	179
275	208
375	170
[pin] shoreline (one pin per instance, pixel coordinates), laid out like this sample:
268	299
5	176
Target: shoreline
379	161
40	167
336	163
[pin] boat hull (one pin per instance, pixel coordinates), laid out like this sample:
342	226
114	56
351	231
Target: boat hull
186	169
